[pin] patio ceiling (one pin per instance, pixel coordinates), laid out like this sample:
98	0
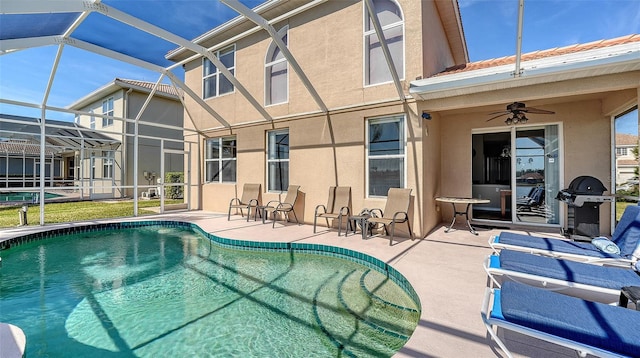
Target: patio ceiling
155	35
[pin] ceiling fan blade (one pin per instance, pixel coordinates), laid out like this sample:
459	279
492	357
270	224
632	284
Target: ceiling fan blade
503	112
537	111
499	115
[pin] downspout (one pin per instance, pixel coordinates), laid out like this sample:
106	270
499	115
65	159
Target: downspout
123	148
517	72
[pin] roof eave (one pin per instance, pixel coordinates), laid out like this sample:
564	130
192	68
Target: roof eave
503	77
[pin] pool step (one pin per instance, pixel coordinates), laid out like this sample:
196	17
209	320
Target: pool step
358	324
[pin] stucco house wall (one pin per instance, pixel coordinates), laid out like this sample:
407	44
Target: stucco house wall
326	150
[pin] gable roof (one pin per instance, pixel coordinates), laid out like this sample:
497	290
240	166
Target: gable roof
163	90
577	61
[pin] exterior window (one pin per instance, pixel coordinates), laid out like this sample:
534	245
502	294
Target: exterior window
386	154
92	121
107	165
278	160
220	160
391	20
621	151
276	73
107	109
213	81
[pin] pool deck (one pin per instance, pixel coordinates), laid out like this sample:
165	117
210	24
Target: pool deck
445	269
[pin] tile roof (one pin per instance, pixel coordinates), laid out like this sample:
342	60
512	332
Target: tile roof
26	147
626	139
558	51
164	88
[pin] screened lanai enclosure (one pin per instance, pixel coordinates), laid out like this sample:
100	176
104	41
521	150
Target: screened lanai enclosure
44	160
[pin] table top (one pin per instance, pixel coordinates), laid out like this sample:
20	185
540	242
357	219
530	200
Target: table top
456	200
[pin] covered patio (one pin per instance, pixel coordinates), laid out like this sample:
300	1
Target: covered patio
445	269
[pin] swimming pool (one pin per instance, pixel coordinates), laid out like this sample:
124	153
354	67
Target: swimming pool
25	196
169	289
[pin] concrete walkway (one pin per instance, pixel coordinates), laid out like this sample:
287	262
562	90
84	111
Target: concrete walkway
445	269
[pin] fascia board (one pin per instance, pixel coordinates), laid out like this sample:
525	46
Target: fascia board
545	70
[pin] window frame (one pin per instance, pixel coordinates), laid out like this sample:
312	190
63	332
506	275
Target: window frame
270	134
107	165
221	160
400	117
365	47
218	74
268	64
107	110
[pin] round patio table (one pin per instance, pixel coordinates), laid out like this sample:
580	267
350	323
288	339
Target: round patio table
469	202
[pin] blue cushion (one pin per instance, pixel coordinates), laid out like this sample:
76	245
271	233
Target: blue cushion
566	270
627	232
611	328
545	243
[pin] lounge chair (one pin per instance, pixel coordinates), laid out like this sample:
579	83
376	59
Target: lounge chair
250	199
590	282
285	207
588	327
396	211
626	236
338	207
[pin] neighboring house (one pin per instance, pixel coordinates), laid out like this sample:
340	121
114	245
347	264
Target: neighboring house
626	159
111	172
20	139
330	111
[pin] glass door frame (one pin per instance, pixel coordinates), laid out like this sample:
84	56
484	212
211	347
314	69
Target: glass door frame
512	130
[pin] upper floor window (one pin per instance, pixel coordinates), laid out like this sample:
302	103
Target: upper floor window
386	154
278	160
220	160
391	20
214	83
107	110
276	72
92	121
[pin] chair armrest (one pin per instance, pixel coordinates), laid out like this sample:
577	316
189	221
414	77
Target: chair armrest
324	208
234	200
345	211
406	216
273	203
253	202
284	206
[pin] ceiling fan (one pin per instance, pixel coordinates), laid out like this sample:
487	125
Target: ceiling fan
517	110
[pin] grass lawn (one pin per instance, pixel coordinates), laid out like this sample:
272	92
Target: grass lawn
78	211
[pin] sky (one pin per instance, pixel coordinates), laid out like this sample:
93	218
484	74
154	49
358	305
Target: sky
490	28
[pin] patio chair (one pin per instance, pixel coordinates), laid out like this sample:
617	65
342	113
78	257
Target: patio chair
275	207
626	237
250	199
396	211
587	327
578	279
338	207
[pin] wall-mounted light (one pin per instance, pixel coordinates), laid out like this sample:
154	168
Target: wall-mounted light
426	115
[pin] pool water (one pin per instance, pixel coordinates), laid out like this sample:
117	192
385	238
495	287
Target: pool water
25	196
159	291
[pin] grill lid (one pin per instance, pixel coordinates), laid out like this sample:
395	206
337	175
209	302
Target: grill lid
586	185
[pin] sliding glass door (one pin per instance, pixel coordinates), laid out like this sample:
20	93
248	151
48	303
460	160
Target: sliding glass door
518	170
536	175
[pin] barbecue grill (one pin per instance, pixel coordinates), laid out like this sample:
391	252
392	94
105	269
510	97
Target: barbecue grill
583	197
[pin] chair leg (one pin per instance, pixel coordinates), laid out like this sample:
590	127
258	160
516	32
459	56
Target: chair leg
315	219
296	216
393	231
410	232
339	225
273	224
229	215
